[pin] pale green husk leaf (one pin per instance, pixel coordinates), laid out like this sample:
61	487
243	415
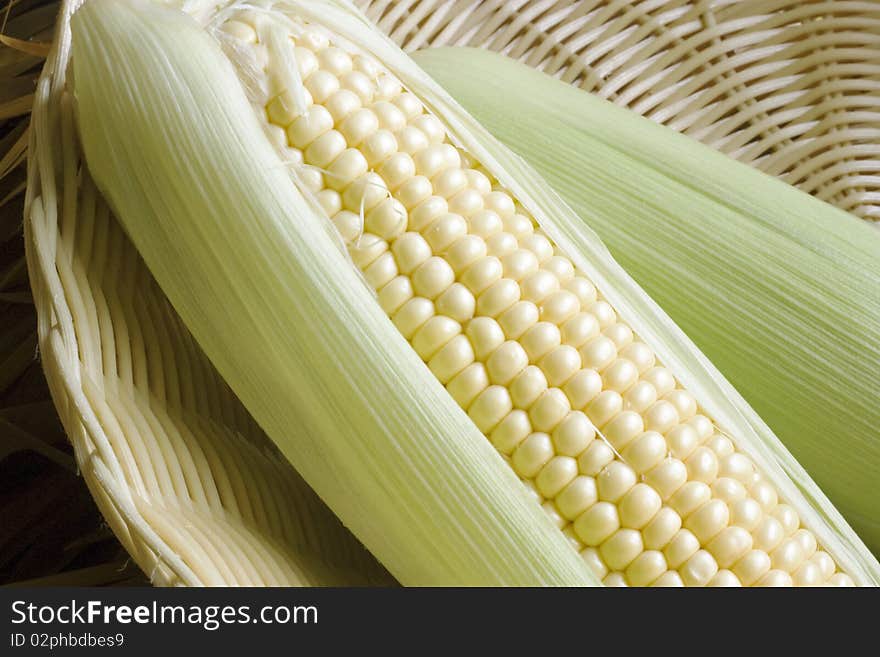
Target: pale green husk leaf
780	290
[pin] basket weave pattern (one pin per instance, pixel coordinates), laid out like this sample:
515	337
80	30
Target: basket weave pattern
792	88
192	488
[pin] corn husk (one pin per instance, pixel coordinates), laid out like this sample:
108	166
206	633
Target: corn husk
780	290
257	275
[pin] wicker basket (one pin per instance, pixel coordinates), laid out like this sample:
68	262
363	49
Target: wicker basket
190	485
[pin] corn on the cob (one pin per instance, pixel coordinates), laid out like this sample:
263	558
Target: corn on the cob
642	483
629	465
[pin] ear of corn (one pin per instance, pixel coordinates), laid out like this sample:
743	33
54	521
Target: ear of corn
266	223
251	266
780	290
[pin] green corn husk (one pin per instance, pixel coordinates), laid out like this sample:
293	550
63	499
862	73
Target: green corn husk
781	291
256	273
